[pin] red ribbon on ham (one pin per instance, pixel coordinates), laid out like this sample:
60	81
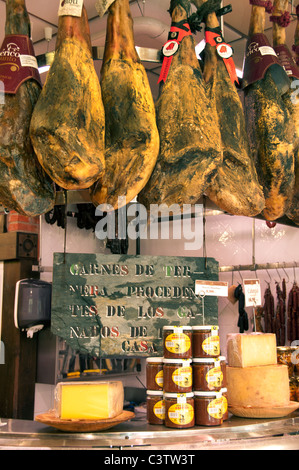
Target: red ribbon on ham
175	37
224	51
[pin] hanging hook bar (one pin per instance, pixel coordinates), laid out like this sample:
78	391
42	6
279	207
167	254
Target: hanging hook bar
278	275
287	276
260	267
269	275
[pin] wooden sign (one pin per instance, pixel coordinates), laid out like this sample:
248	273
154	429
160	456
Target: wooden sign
117	305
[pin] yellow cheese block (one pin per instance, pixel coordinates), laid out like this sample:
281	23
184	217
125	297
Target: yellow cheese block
89	400
262	386
253	349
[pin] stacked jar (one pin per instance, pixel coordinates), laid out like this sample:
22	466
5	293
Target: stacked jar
178	377
154	384
209	377
187	386
287	355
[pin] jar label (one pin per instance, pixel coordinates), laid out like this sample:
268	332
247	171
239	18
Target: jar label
211	345
215	408
159	378
177	343
224	405
181	413
182	376
159	409
214	377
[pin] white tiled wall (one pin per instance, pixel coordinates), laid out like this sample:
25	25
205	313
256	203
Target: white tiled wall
228	240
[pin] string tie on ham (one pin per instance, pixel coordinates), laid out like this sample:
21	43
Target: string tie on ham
267	4
213	36
197	18
177	33
283	20
183	3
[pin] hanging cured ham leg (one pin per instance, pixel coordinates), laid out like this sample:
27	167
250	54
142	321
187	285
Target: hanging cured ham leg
132	138
235	188
269	123
293	210
68	123
24	187
190	150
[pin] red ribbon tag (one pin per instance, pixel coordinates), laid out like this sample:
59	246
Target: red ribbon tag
17	62
225	51
171	47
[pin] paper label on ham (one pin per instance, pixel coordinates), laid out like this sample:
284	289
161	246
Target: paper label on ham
175	36
287	60
258	58
17	62
102	6
70	8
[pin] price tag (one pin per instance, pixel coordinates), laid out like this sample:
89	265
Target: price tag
28	61
70	8
252	291
213	288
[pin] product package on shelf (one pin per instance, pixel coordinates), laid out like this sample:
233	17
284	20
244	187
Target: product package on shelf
187	386
89	400
251	349
257	386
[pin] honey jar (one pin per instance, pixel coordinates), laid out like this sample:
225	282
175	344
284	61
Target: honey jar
223	368
177	342
177	375
208	408
179	410
154	373
224	403
284	356
155	407
206	341
207	374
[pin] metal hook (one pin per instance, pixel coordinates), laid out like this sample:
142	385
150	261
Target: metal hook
268	275
278	274
286	274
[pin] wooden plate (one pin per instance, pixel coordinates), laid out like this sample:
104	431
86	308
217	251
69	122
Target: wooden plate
266	412
82	425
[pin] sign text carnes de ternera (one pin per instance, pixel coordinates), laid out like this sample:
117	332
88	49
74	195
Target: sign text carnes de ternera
117	305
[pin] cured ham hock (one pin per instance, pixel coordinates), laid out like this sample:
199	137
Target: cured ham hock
132	138
190	148
24	186
269	122
235	187
293	210
68	123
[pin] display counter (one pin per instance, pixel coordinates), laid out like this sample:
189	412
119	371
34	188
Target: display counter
234	434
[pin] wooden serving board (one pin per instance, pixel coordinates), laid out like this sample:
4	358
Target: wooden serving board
82	425
265	412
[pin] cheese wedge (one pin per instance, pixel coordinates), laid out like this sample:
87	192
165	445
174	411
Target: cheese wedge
89	400
262	386
253	349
